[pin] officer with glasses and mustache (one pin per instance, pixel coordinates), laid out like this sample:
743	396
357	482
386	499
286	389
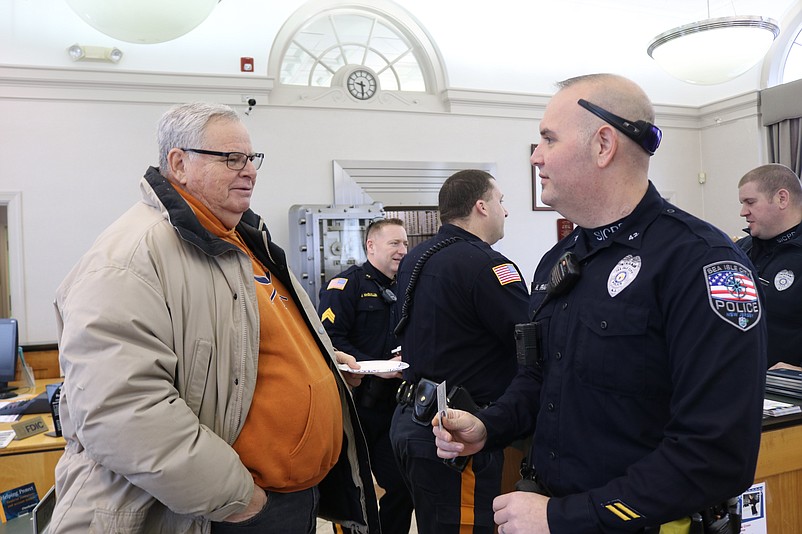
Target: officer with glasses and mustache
643	368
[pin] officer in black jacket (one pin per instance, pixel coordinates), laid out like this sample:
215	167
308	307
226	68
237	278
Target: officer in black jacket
771	200
358	312
461	301
646	395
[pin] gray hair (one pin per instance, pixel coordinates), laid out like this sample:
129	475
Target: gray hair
184	126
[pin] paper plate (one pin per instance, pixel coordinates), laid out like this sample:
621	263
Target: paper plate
370	367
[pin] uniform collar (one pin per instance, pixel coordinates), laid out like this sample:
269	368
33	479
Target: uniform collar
452	230
627	231
792	236
375	274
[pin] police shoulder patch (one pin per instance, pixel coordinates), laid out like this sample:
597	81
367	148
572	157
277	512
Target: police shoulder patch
732	293
337	283
506	273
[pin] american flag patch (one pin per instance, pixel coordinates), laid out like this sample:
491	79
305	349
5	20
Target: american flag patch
337	283
506	273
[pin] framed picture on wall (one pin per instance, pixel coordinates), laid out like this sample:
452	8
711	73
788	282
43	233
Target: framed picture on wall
537	204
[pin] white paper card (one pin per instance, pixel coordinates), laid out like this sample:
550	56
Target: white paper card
6	437
442	401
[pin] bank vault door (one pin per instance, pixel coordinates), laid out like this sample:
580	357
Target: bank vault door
327	239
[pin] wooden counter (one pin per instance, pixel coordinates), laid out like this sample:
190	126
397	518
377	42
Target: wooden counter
32	459
779	465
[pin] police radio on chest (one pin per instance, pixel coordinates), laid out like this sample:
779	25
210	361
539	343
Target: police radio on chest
562	277
385	293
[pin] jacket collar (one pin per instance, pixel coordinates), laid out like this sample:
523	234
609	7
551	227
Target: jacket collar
251	226
180	214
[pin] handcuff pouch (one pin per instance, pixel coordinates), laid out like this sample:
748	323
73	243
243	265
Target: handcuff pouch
425	405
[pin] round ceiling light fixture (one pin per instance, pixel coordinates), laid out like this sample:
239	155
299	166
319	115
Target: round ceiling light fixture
143	21
715	50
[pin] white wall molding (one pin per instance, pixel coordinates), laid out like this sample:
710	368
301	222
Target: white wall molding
732	109
517	105
33	83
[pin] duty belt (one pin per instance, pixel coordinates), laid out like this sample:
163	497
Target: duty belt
421	397
406	393
422	393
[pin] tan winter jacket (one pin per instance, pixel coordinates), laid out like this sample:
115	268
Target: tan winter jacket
159	334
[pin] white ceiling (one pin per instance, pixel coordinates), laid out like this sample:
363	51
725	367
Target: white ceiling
521	46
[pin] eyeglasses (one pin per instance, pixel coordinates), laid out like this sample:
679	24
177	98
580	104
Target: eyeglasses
645	134
235	161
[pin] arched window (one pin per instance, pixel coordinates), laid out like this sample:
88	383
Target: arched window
792	70
335	53
343	37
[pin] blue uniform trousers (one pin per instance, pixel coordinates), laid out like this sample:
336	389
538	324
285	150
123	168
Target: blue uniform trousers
446	501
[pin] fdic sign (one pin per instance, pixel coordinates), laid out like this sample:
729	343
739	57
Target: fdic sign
29	427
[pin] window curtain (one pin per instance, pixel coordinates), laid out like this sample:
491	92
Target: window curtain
784	143
781	109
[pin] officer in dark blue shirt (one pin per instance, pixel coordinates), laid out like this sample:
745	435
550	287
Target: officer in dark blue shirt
357	309
645	396
461	302
771	200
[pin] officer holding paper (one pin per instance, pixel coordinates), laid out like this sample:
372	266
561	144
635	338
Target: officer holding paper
645	396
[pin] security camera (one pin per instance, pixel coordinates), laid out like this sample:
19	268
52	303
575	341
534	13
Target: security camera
251	104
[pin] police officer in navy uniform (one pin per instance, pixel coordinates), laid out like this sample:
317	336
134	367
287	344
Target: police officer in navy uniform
771	200
458	320
357	309
646	395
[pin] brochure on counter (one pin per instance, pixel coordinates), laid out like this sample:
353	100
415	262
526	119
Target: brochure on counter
773	408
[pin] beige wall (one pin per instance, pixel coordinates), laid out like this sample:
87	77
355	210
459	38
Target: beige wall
730	149
76	152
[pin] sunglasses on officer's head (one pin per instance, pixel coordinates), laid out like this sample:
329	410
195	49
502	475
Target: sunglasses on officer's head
645	134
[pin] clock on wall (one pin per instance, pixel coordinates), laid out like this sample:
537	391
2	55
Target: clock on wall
362	84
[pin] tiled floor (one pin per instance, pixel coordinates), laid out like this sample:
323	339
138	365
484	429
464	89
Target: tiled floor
324	527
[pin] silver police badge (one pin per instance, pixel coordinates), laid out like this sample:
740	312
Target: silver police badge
732	293
623	274
784	279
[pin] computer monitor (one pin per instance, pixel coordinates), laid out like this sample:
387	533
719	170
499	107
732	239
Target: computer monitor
43	512
8	353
